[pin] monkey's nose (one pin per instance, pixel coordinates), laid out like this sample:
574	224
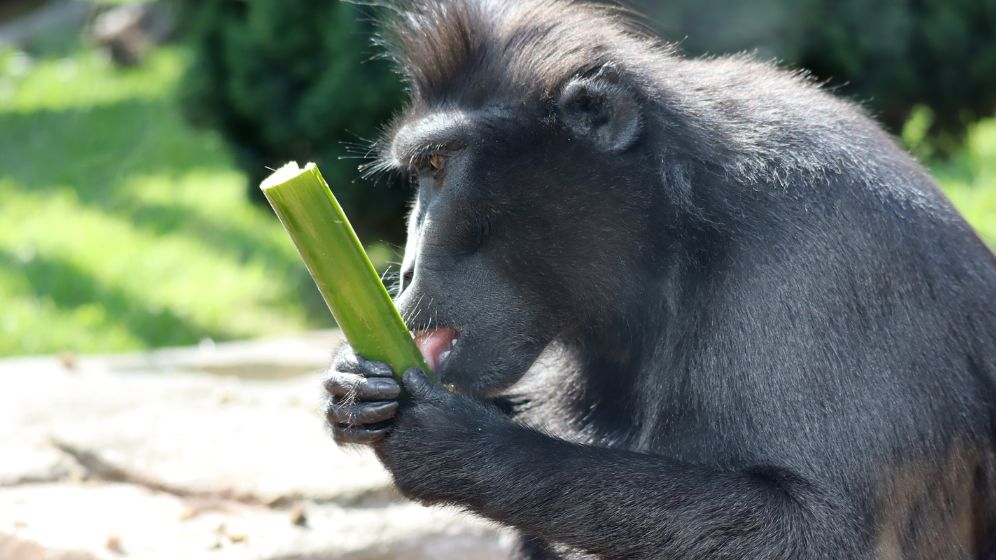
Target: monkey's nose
406	278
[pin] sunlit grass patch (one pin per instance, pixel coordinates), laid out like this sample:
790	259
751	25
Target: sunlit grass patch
969	179
121	227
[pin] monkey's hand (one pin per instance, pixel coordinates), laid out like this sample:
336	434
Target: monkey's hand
430	439
439	443
362	399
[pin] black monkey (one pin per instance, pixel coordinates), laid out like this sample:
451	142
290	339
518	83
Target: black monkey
770	336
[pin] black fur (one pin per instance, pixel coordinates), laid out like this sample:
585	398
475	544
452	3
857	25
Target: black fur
764	331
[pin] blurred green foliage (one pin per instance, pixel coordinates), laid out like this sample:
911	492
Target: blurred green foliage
900	55
121	227
293	80
892	56
968	177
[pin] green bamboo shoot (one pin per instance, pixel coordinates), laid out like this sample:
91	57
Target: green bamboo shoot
340	267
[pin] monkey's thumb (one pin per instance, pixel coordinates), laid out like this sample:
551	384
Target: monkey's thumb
417	383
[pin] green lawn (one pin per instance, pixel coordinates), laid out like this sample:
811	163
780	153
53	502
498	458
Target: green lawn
122	228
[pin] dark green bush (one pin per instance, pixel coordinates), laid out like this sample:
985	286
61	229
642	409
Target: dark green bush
891	55
897	55
293	79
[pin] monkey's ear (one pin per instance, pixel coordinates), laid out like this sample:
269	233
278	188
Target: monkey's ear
601	108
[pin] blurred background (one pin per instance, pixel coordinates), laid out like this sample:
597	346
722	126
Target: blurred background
132	135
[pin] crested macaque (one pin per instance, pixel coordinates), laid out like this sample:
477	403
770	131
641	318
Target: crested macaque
680	308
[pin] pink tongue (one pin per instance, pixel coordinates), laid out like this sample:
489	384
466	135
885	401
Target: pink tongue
433	342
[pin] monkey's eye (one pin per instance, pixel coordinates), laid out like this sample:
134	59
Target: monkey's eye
430	163
437	161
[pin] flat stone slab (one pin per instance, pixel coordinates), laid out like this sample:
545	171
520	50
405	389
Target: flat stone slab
105	521
173	454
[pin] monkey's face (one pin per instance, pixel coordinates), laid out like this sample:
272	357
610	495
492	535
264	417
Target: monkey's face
521	232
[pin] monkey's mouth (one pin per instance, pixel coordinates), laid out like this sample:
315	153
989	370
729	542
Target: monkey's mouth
436	345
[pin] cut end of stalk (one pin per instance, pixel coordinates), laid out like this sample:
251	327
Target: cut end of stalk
287	172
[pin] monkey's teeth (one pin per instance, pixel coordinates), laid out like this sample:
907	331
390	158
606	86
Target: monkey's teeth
443	355
435	345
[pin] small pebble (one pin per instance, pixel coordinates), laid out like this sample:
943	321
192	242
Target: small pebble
113	543
298	517
68	360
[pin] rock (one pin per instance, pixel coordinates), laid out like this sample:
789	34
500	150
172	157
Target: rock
35	461
13	548
148	456
259	439
154	525
265	359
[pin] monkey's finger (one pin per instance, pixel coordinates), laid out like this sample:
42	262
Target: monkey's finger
347	361
362	413
345	434
419	385
378	389
341	384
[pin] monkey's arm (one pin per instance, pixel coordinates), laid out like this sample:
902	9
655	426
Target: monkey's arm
614	503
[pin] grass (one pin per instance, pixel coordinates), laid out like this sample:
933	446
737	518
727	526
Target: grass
122	228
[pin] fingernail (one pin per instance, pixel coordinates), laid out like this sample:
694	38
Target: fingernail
381	369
